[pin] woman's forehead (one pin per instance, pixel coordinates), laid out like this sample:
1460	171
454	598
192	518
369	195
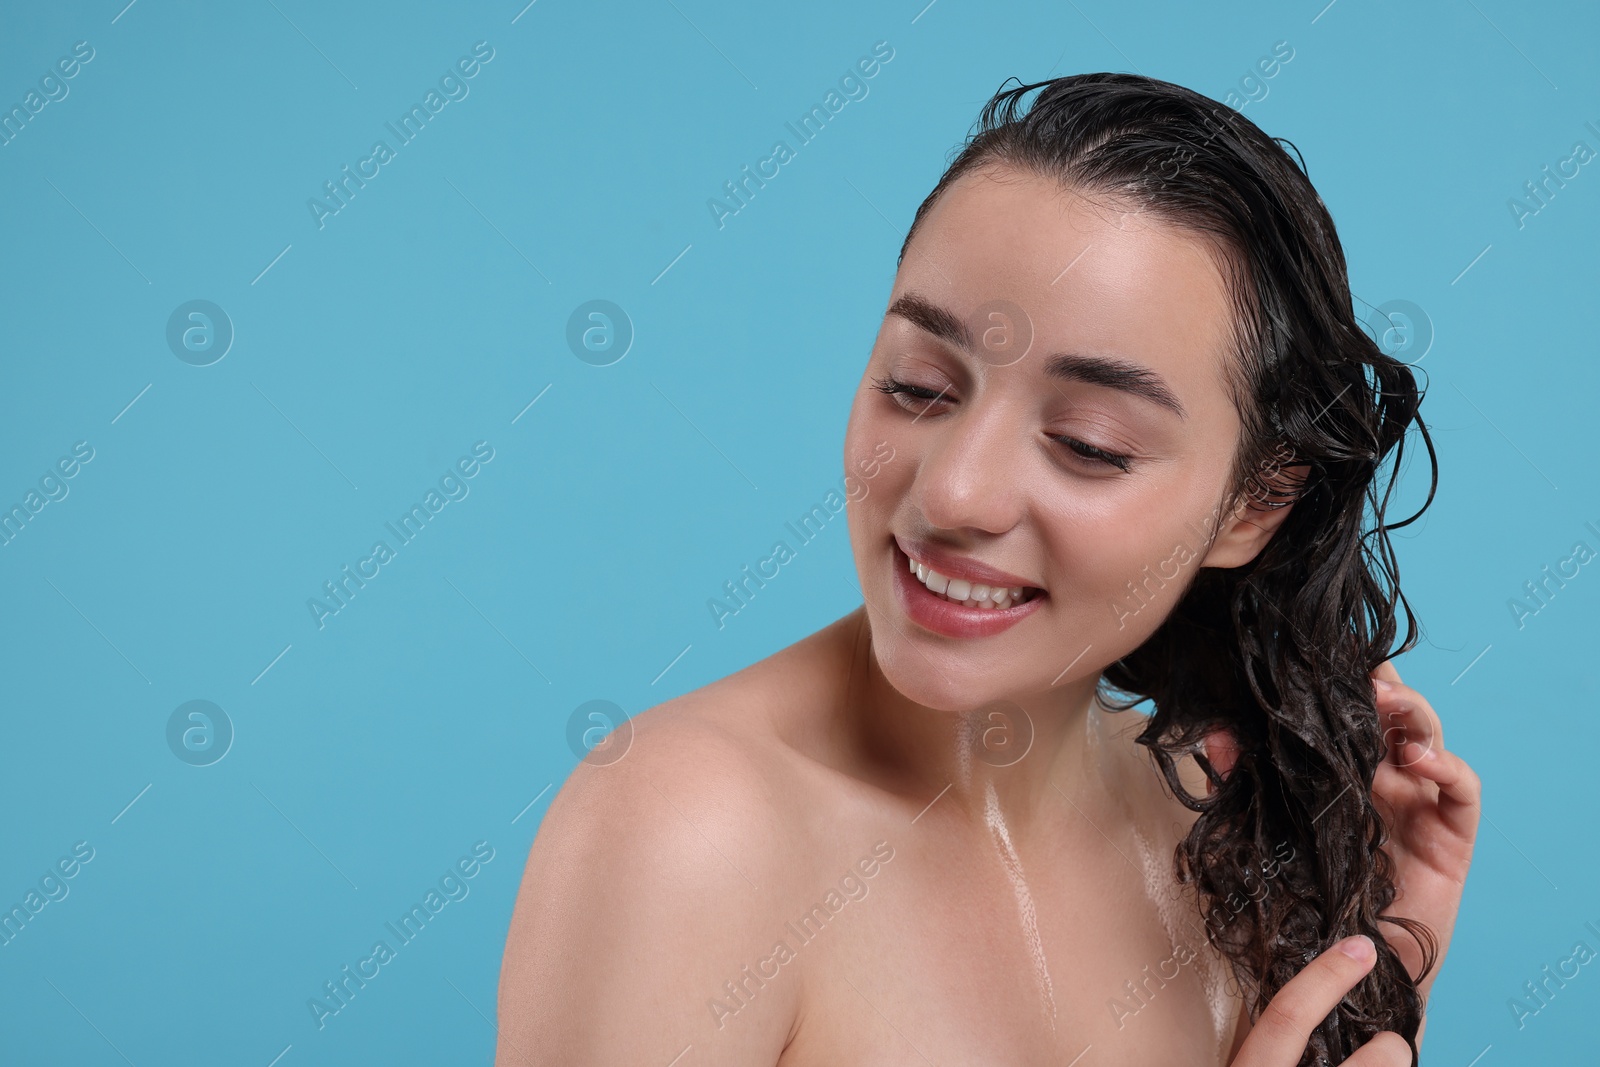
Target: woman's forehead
1089	273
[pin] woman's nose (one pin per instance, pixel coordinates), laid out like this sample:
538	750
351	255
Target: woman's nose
970	473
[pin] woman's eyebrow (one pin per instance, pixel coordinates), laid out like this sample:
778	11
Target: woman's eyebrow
1118	374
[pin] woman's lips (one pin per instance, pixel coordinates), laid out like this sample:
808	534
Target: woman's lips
943	616
955	566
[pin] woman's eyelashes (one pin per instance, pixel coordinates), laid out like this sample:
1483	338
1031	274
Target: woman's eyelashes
920	399
1119	460
892	386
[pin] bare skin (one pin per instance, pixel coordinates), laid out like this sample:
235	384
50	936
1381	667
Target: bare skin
983	853
755	784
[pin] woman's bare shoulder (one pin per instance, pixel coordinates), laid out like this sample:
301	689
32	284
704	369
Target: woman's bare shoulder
708	765
653	872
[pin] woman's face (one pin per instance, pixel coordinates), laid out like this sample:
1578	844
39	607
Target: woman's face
1082	444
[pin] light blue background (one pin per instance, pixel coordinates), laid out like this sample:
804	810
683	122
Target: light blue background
432	309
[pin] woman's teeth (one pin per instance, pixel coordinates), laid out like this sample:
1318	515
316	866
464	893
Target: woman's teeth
969	594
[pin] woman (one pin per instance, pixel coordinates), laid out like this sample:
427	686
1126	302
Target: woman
1115	441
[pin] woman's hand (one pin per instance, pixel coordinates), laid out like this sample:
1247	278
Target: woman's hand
1278	1038
1430	800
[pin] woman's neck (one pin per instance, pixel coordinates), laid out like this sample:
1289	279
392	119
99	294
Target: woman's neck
1014	756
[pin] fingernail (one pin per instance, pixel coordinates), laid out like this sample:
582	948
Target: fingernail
1383	684
1358	948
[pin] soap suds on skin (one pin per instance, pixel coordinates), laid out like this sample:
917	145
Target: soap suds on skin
1019	886
1172	905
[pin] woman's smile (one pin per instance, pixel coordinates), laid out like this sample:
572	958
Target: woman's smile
956	602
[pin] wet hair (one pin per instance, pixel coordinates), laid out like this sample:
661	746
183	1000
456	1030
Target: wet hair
1277	651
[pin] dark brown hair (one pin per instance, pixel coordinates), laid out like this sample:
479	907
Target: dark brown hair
1278	651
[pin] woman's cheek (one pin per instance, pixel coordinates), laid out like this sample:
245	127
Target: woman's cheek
1133	585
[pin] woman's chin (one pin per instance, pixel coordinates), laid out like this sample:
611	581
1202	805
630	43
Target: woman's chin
940	686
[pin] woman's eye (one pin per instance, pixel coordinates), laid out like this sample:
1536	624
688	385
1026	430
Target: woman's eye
1090	452
917	396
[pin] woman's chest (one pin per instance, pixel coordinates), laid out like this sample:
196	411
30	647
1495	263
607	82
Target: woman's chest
990	956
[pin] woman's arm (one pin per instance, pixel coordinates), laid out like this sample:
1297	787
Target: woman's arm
638	903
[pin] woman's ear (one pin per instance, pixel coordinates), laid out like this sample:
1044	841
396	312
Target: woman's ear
1258	512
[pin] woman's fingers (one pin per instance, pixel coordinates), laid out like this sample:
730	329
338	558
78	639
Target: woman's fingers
1405	715
1279	1036
1386	1049
1413	736
1386	670
1405	724
1460	791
